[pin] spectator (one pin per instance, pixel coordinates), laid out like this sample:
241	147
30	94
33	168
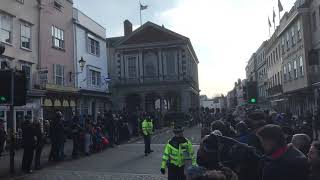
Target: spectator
282	161
314	161
242	132
315	121
3	136
38	130
28	144
76	130
301	142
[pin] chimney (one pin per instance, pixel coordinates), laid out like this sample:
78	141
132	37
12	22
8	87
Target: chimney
127	27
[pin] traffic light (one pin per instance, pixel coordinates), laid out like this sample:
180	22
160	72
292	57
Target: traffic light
252	93
20	91
5	90
20	88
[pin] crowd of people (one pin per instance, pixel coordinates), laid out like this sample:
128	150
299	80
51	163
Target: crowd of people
254	144
89	135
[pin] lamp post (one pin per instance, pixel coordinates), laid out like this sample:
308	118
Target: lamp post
82	63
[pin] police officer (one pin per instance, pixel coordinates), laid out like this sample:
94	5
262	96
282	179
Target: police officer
147	129
178	156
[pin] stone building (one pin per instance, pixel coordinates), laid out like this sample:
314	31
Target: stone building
262	75
295	37
19	27
153	68
314	63
92	75
56	56
274	71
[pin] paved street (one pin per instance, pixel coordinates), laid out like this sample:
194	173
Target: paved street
123	162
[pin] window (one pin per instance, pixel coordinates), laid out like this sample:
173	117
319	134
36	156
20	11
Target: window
282	45
95	78
170	62
314	21
5	28
289	71
20	1
288	41
132	70
295	70
285	73
58	74
93	46
27	71
292	37
301	66
299	30
58	5
57	37
25	36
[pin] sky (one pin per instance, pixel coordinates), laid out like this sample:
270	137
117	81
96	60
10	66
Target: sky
224	33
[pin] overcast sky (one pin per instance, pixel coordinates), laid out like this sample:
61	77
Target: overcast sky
224	33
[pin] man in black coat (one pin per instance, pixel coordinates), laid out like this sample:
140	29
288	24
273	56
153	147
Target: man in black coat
282	161
28	143
40	142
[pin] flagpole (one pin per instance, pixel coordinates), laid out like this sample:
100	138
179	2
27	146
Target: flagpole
140	13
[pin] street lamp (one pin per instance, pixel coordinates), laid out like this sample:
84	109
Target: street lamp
82	63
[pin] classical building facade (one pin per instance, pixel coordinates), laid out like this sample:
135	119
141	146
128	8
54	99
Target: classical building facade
153	68
314	65
19	27
262	75
295	37
56	48
91	76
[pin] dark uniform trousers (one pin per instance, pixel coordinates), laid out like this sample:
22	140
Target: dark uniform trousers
147	142
27	158
176	173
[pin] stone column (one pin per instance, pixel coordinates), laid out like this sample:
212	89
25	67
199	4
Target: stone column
140	66
160	64
185	100
143	102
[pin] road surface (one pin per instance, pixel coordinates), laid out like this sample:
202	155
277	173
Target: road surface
124	162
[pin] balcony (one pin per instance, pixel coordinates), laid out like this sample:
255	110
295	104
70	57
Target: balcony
275	90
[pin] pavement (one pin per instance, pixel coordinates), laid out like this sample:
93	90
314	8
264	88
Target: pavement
124	162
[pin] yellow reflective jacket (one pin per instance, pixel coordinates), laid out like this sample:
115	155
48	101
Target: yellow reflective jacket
147	127
177	152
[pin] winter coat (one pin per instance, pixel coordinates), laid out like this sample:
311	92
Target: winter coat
288	164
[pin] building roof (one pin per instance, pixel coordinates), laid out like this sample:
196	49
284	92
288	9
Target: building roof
150	33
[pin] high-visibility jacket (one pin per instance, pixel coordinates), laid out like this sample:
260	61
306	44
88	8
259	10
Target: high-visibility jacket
177	153
147	127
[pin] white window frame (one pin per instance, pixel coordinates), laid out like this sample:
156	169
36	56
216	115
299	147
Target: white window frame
56	75
96	45
288	41
95	78
295	69
301	68
127	57
58	39
293	37
25	35
2	28
299	30
289	71
285	72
